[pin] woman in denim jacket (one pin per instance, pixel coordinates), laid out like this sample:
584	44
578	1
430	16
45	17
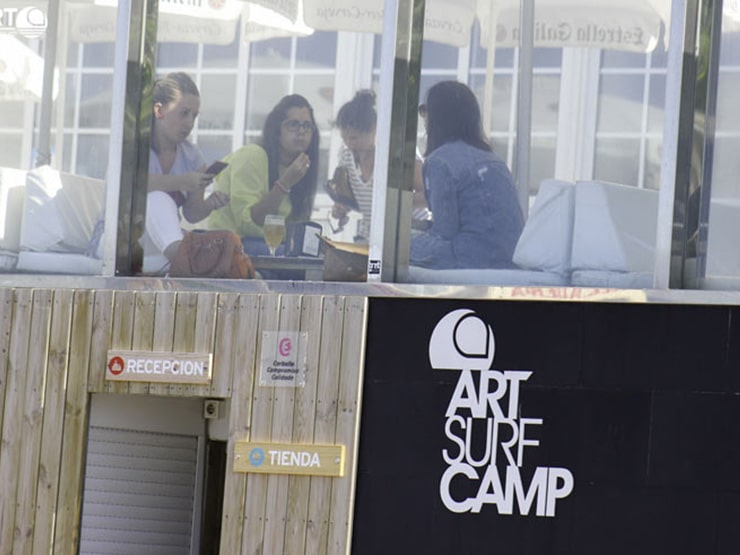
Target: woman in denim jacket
477	219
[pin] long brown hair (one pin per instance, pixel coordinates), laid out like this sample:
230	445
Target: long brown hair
453	114
302	194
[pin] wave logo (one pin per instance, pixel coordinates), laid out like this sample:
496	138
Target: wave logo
462	340
29	22
257	456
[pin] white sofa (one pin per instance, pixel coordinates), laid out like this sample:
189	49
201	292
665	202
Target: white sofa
48	218
12	189
588	233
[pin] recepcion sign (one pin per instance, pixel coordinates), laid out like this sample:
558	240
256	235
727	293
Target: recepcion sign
145	366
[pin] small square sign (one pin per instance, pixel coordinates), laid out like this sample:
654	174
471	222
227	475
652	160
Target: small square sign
283	359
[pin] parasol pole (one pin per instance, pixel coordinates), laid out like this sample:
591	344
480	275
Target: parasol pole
43	156
524	102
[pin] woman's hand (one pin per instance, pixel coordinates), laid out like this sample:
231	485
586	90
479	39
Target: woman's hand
216	200
339	212
194	181
295	172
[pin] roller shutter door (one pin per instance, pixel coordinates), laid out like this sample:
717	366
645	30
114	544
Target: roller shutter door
139	493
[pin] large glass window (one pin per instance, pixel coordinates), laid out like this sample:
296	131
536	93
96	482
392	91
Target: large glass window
721	269
56	83
593	81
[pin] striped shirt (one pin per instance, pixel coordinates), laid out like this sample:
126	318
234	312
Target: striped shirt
363	190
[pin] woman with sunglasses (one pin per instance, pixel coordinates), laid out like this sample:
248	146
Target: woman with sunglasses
276	176
477	220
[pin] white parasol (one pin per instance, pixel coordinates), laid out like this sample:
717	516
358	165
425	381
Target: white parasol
21	71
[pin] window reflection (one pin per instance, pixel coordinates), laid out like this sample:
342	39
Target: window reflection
594	142
596	114
722	263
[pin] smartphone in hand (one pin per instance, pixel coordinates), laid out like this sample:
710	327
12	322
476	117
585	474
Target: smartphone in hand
216	168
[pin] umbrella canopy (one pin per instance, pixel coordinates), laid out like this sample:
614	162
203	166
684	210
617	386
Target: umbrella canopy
21	71
203	22
633	25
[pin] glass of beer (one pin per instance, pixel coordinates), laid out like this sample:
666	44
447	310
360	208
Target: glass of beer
274	229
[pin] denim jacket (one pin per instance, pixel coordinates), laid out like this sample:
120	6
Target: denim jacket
477	218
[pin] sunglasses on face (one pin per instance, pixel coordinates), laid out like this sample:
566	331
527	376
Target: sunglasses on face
295	125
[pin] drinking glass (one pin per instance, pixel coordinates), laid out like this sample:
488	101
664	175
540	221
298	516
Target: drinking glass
274	229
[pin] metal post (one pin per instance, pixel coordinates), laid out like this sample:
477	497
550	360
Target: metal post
395	154
43	156
524	102
129	152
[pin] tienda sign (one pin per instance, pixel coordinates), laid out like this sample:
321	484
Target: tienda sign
289	458
180	368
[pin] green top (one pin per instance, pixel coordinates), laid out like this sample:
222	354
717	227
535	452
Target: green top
246	182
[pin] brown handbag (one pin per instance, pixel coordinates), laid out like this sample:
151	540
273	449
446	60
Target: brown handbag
211	254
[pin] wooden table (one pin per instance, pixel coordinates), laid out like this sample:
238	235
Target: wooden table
311	266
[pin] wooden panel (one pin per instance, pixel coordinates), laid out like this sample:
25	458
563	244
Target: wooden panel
69	503
53	421
6	313
12	435
325	423
164	329
122	332
30	425
225	342
205	330
143	331
101	340
186	315
44	423
348	410
297	517
281	431
261	428
243	350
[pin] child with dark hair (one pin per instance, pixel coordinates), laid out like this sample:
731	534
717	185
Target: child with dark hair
356	121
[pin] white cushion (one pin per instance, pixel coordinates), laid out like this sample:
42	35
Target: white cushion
58	263
80	204
547	237
59	210
12	187
614	227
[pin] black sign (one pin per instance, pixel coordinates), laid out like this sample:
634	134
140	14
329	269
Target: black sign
524	427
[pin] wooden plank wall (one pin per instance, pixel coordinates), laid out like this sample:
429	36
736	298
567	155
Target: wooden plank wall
53	351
